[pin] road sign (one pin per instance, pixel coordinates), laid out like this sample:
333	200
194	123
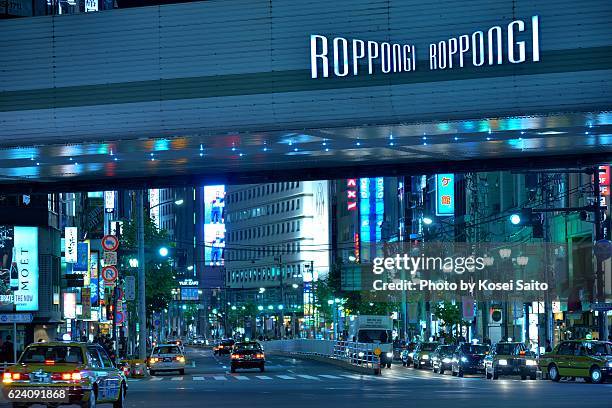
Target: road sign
130	288
110	243
110	258
601	307
119	317
109	273
16	318
377	351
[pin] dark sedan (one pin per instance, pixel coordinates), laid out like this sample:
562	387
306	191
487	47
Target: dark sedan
469	359
248	355
442	357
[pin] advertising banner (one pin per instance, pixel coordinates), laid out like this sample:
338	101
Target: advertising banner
445	194
70	305
214	224
26	261
86	302
189	293
71	241
83	262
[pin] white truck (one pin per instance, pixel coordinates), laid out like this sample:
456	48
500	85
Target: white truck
376	330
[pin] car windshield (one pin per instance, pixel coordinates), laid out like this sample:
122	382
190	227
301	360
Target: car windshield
598	349
374	336
506	348
247	346
166	350
446	350
474	349
429	346
57	354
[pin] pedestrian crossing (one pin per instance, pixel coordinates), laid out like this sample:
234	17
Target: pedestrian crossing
267	377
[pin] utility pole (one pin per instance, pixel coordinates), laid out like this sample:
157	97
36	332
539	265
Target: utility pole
282	296
142	307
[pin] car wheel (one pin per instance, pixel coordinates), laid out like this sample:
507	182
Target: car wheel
435	370
182	372
453	373
460	373
553	373
120	403
441	370
495	375
233	369
404	363
488	375
261	369
152	372
388	365
532	377
595	376
523	377
91	403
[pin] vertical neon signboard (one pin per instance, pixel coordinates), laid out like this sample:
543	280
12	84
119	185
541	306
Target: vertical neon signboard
445	195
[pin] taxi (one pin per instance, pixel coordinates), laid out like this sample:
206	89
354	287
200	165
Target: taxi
510	358
588	359
58	373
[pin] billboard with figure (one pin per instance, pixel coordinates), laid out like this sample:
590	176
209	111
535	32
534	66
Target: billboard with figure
18	268
214	225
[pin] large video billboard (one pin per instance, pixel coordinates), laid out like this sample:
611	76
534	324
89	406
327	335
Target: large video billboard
214	225
19	268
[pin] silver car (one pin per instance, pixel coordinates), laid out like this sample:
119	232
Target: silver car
167	357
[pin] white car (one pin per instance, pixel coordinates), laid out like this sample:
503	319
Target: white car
167	357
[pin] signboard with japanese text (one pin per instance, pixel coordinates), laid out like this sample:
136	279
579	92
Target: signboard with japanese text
71	241
445	194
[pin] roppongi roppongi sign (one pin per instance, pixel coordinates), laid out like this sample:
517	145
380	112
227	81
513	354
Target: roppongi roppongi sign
497	45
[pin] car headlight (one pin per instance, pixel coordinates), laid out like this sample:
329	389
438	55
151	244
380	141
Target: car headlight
609	364
389	354
361	354
502	362
425	357
531	362
463	359
446	360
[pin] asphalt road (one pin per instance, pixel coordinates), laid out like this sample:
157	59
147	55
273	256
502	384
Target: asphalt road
300	383
291	383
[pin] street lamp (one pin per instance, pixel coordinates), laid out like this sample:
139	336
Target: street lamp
163	251
427	220
179	201
515	219
133	263
294	286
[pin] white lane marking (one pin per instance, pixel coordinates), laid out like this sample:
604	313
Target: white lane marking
241	377
156	378
286	377
198	378
333	377
220	378
309	377
177	378
263	377
352	376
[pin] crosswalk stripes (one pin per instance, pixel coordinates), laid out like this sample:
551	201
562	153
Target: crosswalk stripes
333	377
309	377
177	378
263	377
241	377
220	378
198	378
286	377
156	379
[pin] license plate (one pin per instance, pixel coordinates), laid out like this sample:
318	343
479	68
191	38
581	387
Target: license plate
247	357
167	360
38	394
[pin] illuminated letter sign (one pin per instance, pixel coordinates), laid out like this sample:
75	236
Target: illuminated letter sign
445	194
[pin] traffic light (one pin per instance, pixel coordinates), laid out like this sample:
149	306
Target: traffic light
526	217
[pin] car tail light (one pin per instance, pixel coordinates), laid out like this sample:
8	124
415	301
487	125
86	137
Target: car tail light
235	356
74	376
260	355
49	362
153	359
10	377
7	378
181	359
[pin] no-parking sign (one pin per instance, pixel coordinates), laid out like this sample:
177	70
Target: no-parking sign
109	274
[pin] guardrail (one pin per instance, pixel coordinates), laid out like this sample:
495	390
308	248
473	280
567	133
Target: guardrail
351	353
